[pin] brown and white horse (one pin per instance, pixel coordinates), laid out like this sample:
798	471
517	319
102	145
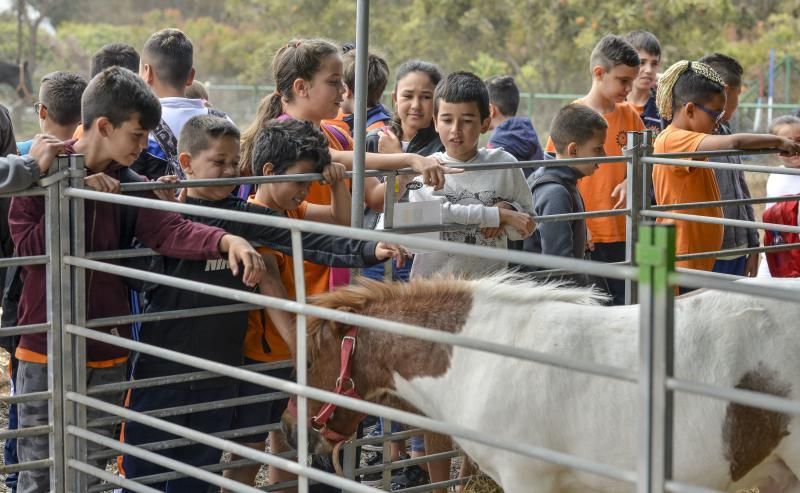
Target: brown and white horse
723	339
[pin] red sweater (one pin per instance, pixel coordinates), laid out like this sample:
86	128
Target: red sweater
107	296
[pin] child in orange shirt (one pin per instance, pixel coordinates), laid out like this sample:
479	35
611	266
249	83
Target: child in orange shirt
692	95
614	65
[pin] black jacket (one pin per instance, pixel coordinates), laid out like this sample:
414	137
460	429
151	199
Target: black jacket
219	337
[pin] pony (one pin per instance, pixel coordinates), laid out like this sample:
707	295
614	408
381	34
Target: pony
17	76
723	339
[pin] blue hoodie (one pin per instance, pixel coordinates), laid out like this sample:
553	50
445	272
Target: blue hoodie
518	137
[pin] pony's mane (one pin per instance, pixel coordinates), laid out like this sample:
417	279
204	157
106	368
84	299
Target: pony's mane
506	286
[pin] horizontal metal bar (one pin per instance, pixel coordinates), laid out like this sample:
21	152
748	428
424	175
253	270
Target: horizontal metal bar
182	442
745	397
31	192
709	280
196	408
526	258
177	378
33	396
688	163
111	479
161	460
172	475
722	203
678	487
199	437
387	466
32	431
32	260
172	314
739	251
435	486
433	228
26	466
120	254
543	163
725	222
393	437
362	321
552	218
24	329
369	408
711	154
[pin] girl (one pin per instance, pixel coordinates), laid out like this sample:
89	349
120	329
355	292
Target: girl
692	95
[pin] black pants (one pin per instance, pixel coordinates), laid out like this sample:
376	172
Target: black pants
609	253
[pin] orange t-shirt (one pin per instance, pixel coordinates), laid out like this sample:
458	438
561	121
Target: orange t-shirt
680	184
596	189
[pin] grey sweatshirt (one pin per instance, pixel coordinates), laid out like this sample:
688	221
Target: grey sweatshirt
732	186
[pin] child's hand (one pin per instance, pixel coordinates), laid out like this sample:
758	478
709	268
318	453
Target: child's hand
621	191
240	250
492	233
101	182
385	251
751	266
388	143
44	150
432	170
333	173
521	221
589	242
789	148
168	194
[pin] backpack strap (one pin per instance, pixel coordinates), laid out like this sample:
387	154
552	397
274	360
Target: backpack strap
169	144
340	137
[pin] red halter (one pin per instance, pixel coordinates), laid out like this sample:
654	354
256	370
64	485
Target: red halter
344	386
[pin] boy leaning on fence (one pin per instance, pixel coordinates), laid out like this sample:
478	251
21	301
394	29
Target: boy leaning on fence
118	111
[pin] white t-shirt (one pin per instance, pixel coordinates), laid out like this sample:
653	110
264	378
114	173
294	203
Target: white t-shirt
469	198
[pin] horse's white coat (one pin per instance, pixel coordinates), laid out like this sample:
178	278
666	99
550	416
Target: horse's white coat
719	337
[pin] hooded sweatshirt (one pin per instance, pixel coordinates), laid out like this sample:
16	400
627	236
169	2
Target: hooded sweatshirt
517	137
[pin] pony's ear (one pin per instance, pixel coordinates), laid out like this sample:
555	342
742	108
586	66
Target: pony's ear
339	328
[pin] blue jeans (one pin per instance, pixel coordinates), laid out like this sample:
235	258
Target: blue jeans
735	267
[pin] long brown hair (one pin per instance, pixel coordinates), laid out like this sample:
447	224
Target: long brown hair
298	59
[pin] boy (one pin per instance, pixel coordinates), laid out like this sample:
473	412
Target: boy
59	106
209	148
614	65
514	134
643	93
577	131
167	66
732	184
377	78
495	205
115	55
118	111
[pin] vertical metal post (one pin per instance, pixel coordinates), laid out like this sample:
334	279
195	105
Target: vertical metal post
633	153
301	360
656	255
56	238
360	113
349	463
386	475
388	217
74	360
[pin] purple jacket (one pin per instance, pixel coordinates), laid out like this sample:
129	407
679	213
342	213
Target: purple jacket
107	295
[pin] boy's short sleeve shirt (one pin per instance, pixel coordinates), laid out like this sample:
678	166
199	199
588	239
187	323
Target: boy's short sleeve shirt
596	189
681	184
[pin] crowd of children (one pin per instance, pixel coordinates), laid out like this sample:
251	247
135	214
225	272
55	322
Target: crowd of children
146	117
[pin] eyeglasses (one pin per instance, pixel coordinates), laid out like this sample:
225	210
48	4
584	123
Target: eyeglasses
717	116
38	105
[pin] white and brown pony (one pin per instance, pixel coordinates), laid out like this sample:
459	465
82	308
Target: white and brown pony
723	339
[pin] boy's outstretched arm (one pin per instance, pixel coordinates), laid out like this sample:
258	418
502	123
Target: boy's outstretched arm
432	170
271	285
749	141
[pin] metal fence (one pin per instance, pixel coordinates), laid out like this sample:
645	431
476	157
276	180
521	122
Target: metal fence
648	272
